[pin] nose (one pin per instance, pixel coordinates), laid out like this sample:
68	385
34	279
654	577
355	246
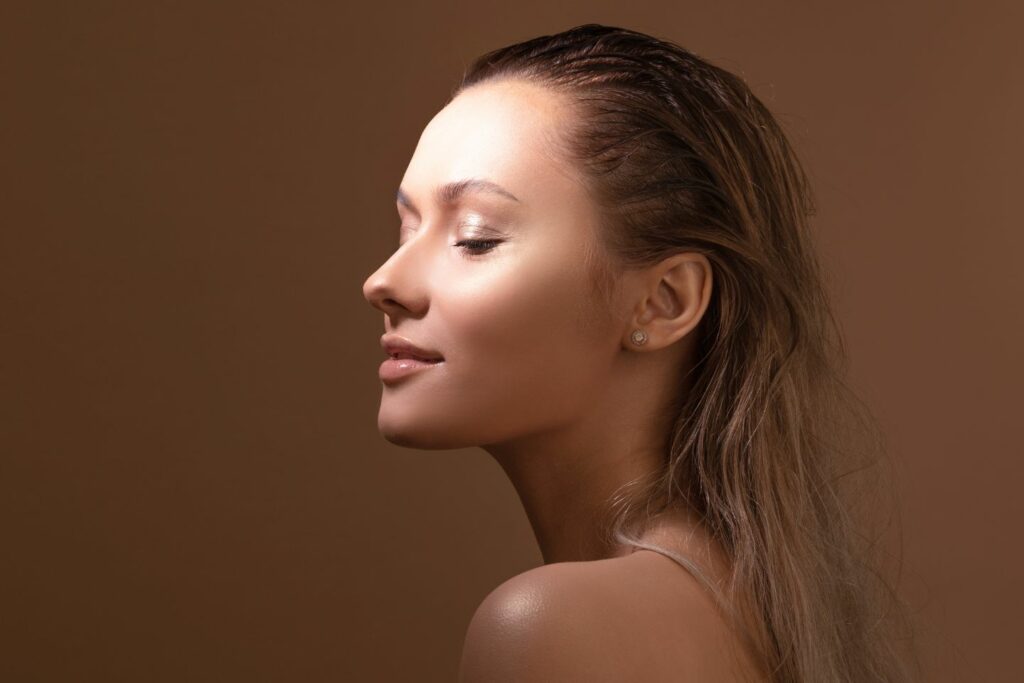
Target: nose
397	287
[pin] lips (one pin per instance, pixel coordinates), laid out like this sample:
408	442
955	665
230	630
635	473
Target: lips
399	347
405	360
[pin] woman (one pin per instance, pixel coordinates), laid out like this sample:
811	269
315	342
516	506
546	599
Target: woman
605	279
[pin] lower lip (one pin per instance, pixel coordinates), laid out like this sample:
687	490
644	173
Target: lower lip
396	368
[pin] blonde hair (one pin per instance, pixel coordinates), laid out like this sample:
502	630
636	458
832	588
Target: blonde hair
681	156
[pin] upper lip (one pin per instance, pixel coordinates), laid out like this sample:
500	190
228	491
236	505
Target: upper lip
394	344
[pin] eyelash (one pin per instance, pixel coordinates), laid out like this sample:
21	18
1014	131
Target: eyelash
476	247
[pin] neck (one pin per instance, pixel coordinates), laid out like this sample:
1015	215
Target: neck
566	493
566	477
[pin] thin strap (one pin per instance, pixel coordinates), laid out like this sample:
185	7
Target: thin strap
688	565
691	567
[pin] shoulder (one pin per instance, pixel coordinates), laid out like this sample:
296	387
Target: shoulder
631	618
536	626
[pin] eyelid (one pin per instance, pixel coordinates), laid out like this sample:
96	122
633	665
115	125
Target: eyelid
481	230
477	230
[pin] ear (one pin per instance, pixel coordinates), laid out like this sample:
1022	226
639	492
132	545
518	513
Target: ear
674	295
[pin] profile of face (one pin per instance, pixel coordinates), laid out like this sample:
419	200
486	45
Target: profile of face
494	281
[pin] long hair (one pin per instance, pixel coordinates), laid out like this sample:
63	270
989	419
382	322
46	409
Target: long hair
681	156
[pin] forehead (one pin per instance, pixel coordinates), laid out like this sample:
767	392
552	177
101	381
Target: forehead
504	132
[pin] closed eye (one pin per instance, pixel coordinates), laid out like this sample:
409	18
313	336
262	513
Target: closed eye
477	246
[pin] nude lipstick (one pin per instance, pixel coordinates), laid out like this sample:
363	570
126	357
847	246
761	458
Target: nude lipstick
405	358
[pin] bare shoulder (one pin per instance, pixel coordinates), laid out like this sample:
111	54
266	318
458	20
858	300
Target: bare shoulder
639	617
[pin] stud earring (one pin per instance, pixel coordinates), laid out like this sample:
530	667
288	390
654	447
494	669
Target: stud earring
639	337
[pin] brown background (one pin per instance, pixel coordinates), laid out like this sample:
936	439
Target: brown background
192	486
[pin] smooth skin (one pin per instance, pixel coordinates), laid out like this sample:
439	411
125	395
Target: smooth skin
543	376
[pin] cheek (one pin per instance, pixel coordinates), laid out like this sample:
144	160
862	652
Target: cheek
514	314
519	343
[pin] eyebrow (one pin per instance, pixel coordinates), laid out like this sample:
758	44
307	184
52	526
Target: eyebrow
449	193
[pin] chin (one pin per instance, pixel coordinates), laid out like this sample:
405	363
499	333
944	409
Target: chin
409	434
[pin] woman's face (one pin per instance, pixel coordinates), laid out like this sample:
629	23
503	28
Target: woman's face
527	343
